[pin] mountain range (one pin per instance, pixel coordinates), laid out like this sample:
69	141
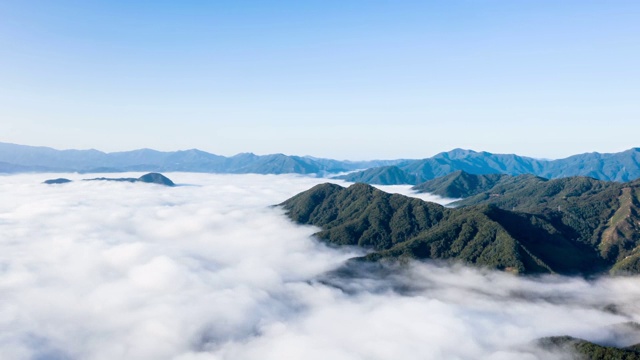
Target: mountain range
622	166
521	224
21	158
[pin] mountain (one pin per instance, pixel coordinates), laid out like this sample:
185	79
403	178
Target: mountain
598	212
155	178
471	162
21	158
623	166
601	214
380	175
150	178
566	226
47	158
585	350
280	164
56	181
461	184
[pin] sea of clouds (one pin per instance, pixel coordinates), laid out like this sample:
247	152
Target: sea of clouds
209	270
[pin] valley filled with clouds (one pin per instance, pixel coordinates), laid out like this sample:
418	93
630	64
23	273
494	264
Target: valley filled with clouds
211	270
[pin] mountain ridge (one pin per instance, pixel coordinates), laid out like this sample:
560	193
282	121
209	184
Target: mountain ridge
552	226
622	166
23	158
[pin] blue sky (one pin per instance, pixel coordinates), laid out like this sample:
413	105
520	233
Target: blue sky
341	79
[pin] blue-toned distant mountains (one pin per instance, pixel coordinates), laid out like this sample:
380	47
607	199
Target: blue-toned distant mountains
20	158
622	166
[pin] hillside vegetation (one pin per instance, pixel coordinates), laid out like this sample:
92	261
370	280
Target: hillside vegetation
521	224
461	184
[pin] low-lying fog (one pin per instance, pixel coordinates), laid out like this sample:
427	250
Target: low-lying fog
107	270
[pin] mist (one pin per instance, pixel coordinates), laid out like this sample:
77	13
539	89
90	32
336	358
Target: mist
210	270
407	191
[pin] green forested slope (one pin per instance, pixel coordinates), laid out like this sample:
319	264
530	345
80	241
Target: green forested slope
585	350
380	175
461	184
571	225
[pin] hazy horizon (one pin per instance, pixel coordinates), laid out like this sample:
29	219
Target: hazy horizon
312	155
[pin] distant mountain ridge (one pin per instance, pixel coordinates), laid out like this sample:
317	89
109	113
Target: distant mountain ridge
21	158
621	167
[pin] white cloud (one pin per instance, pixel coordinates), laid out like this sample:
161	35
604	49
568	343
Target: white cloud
407	191
210	271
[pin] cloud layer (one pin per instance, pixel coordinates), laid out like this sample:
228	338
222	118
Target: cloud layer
210	271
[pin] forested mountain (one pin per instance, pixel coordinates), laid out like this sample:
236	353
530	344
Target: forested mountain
380	175
585	350
461	184
570	225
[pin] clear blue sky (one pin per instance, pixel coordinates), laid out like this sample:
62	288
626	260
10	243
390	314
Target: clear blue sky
341	79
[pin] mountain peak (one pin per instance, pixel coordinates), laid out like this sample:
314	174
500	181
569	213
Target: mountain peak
456	153
156	178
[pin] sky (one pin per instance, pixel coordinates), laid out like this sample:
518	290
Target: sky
340	79
211	271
